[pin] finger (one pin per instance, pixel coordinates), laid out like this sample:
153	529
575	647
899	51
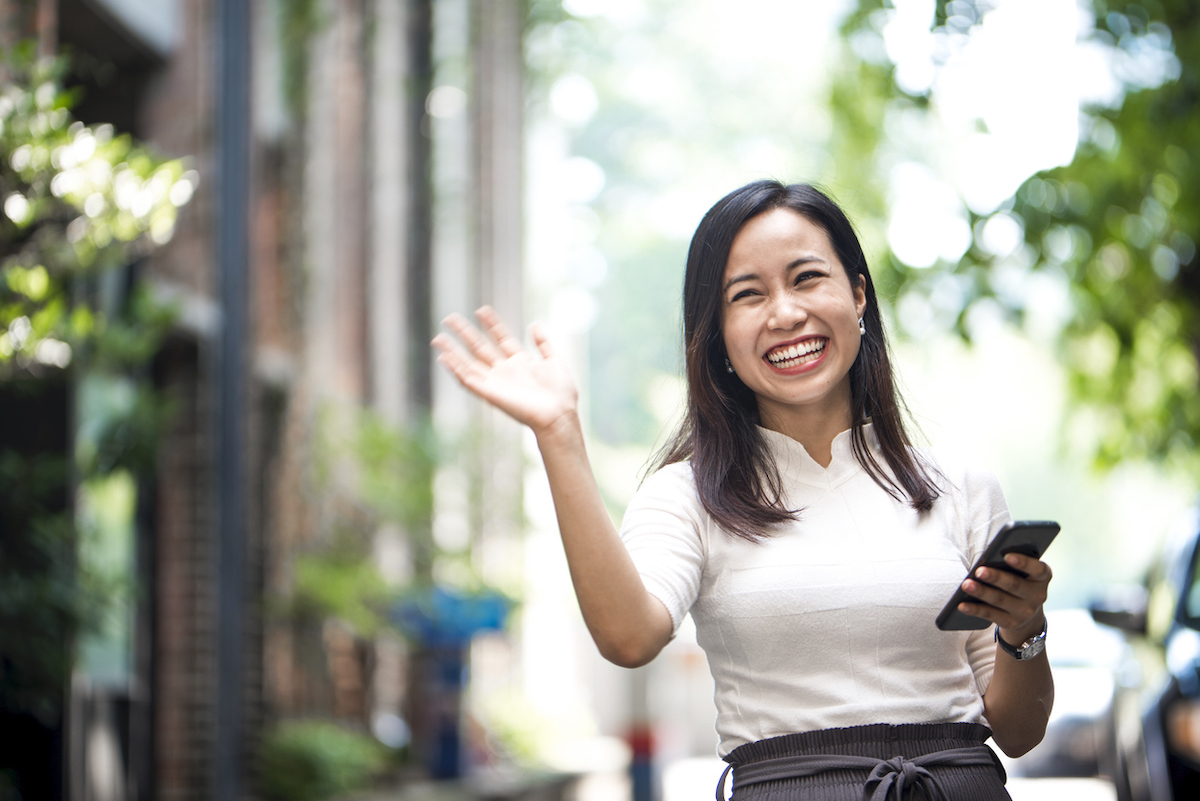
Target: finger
505	341
985	594
988	613
451	356
475	341
1007	609
993	586
1005	618
446	346
1035	569
1000	579
538	334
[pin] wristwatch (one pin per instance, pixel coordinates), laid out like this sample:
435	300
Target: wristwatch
1026	650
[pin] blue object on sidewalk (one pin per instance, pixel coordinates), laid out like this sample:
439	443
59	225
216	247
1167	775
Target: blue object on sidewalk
442	616
442	621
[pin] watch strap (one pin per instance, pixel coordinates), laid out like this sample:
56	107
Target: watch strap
1026	650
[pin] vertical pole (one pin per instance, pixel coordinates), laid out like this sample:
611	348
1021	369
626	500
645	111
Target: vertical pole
420	243
422	710
232	252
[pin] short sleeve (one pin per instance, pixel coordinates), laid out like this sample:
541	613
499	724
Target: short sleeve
663	531
981	654
987	511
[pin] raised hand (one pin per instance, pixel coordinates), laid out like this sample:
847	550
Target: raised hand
533	388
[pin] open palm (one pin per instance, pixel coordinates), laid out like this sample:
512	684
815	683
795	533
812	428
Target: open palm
533	388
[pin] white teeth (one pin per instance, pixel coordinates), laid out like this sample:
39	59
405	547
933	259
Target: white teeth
793	355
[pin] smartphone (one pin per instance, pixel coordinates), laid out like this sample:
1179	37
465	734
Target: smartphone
1029	537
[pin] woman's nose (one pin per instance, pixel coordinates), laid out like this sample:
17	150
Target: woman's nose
786	312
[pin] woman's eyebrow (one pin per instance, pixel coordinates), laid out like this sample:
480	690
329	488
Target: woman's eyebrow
738	280
803	260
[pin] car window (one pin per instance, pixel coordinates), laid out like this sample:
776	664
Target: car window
1176	571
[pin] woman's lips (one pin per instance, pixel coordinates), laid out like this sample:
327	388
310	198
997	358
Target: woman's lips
796	354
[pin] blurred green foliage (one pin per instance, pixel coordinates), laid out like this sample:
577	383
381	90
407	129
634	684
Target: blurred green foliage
1118	225
298	21
396	467
367	473
342	581
313	760
78	202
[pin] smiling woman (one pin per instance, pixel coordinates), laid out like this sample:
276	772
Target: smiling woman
791	325
811	543
784	252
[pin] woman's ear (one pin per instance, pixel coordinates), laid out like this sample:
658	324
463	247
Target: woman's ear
860	295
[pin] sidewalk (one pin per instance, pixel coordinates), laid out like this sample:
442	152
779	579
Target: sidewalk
486	788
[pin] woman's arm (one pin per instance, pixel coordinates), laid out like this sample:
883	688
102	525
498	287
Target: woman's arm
1018	701
630	626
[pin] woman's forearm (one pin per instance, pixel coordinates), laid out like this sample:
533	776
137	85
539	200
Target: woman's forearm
629	625
1018	701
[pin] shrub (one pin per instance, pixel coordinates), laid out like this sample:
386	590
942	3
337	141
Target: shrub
313	760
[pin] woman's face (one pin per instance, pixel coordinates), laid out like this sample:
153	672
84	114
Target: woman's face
790	317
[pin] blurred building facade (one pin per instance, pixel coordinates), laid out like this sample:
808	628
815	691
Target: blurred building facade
306	272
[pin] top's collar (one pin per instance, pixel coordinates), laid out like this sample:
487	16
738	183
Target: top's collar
795	463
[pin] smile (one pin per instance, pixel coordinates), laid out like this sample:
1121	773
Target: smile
797	354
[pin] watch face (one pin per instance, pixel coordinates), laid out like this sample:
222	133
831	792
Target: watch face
1032	648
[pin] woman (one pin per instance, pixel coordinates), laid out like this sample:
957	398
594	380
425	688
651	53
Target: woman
811	543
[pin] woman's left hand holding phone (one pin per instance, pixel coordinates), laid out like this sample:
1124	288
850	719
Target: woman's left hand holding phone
629	625
1012	602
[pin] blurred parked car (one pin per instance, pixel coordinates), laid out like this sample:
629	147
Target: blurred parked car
1088	662
1154	749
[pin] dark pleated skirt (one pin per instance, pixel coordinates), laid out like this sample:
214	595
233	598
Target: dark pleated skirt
880	741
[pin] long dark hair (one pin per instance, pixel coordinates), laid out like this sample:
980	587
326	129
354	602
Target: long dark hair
737	480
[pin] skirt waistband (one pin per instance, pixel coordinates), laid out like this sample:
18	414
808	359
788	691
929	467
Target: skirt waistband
897	758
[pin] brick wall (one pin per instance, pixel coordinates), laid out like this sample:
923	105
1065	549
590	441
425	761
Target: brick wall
184	606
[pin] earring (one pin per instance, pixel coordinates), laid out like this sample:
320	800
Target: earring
862	328
728	366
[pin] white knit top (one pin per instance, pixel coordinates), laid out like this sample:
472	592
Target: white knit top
828	621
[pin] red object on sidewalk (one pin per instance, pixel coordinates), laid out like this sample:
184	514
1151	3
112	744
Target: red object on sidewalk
641	741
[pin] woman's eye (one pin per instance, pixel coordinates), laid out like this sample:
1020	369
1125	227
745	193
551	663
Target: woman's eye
802	277
745	293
